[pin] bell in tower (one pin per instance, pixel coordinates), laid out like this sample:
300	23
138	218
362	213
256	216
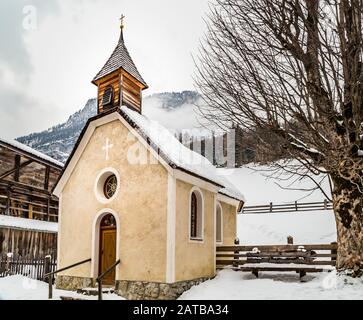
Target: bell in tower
119	82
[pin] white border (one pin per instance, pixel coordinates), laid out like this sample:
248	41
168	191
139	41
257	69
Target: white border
218	204
201	239
96	189
96	241
214	234
170	235
59	230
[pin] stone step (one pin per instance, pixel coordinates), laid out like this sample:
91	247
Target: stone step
94	291
71	298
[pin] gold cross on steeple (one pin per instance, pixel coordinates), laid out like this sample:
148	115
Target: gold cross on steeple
122	21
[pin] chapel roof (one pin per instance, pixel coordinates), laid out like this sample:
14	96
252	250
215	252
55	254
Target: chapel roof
170	149
178	155
120	59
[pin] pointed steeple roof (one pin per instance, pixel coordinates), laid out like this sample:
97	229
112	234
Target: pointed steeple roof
120	59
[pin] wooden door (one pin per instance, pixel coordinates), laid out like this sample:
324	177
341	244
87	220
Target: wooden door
107	253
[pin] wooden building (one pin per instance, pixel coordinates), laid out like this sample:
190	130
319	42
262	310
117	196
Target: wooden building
28	210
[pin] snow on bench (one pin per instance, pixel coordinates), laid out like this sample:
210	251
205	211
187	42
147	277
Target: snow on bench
298	258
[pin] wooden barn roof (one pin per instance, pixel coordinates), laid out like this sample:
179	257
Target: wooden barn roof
120	59
30	153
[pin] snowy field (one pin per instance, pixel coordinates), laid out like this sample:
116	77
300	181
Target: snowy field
228	284
258	189
232	285
305	227
21	288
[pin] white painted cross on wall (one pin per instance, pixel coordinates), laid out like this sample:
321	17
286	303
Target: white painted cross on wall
107	147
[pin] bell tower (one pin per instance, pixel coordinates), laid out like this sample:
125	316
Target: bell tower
119	82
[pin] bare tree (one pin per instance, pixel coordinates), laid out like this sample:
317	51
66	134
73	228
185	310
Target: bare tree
293	68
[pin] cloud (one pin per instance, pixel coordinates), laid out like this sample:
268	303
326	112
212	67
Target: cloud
13	52
45	73
16	66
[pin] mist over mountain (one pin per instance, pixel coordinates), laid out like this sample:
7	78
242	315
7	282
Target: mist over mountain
174	110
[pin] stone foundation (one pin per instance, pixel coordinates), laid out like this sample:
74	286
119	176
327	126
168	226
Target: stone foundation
143	290
133	290
74	283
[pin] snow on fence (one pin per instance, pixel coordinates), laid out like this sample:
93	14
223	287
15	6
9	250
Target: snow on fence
290	257
290	207
31	267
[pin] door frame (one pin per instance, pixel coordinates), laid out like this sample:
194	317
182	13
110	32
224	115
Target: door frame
100	260
96	231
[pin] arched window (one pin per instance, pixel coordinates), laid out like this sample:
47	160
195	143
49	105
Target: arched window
108	221
107	99
219	223
196	215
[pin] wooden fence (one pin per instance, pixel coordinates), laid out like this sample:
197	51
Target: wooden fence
290	207
31	267
306	254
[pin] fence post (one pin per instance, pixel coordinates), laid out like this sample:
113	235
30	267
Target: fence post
334	251
325	204
270	206
47	262
9	257
295	205
99	289
235	263
290	240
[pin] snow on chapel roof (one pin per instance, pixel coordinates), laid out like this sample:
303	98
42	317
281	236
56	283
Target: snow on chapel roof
120	58
179	155
22	147
174	153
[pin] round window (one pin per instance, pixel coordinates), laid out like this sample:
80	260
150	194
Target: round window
107	185
110	187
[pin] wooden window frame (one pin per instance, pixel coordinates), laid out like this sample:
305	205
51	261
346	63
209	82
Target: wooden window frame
196	199
112	99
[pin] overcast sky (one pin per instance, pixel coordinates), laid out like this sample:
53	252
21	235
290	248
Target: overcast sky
49	56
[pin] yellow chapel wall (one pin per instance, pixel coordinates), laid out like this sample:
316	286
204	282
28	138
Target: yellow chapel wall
229	219
193	259
141	206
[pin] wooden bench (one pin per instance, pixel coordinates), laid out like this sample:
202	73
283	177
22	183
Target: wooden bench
301	259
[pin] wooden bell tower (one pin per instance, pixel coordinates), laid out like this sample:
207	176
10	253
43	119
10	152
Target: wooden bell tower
119	82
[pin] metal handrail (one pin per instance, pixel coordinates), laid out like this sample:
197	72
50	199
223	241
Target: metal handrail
50	275
101	276
66	268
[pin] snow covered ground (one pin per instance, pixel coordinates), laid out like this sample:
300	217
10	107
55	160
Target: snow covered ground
258	189
305	227
228	284
234	285
28	224
21	288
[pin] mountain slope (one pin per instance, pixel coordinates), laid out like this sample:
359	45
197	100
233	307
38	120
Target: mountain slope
174	110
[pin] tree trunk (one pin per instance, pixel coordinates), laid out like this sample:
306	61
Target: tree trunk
348	205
